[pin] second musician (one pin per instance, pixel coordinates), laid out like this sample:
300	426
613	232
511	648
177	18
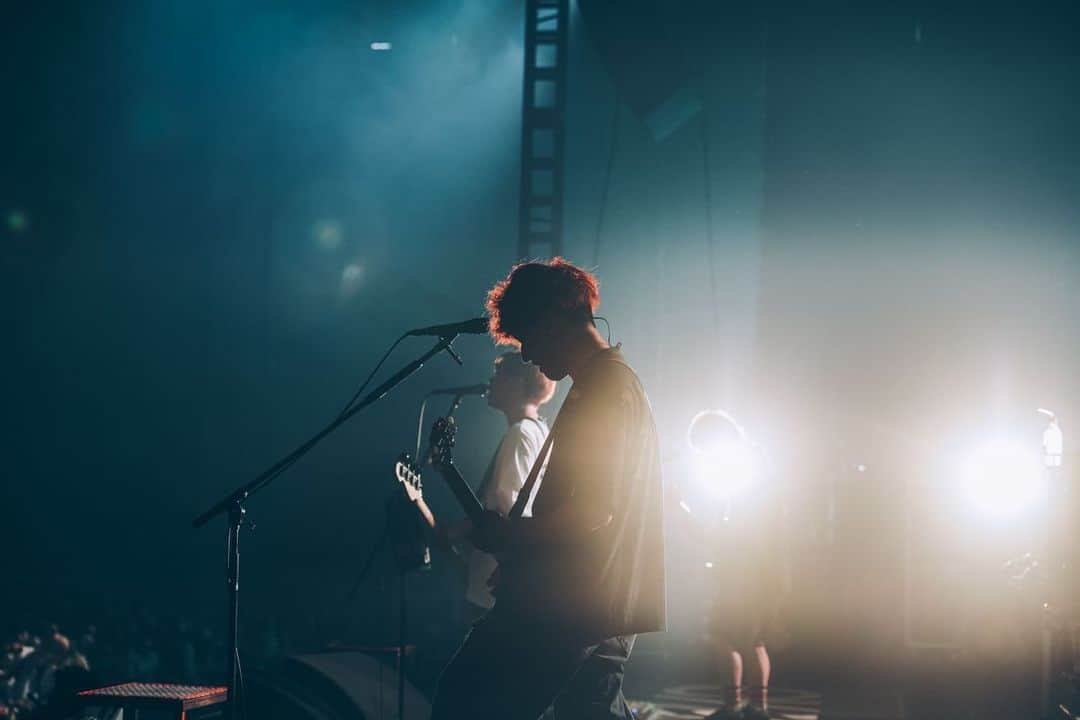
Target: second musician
517	390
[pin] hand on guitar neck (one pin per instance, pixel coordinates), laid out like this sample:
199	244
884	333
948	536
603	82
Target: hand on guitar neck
489	529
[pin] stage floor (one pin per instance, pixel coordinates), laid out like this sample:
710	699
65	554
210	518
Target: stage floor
693	702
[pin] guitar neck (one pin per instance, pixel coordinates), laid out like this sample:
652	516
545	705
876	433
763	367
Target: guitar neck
464	494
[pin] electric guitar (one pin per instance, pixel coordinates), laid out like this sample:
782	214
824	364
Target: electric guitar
408	474
443	434
525	576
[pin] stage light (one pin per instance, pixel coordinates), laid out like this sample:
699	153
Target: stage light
727	471
724	461
382	46
1003	478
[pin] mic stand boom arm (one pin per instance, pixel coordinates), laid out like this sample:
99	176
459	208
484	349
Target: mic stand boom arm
233	503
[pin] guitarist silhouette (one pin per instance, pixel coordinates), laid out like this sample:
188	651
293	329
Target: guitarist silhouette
585	572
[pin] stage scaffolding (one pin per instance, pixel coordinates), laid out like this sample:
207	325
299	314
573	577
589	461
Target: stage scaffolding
540	211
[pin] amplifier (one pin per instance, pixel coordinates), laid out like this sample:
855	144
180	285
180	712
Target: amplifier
153	701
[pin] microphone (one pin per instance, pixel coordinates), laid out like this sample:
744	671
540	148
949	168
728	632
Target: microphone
462	390
476	326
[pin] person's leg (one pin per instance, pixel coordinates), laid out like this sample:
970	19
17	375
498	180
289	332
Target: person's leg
756	665
729	662
764	664
462	681
595	691
757	679
761	612
726	627
505	672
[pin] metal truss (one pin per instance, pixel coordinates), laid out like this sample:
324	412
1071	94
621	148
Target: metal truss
540	206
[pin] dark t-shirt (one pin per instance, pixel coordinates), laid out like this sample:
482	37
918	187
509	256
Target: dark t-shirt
605	454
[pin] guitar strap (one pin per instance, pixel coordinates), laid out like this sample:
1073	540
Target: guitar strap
526	491
489	473
530	482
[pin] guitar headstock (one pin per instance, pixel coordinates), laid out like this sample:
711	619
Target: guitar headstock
441	442
408	474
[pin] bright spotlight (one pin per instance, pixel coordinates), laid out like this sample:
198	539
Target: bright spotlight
382	46
1003	478
725	462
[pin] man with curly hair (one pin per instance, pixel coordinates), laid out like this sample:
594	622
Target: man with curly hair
581	577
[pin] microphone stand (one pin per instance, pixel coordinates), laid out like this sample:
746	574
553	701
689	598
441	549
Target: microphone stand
454	405
233	504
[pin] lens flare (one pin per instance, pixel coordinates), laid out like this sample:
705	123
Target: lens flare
1003	479
724	461
727	471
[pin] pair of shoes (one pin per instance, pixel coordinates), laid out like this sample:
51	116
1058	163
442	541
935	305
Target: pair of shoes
726	713
742	712
754	712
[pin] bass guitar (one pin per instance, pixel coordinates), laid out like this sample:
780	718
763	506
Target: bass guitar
408	475
443	434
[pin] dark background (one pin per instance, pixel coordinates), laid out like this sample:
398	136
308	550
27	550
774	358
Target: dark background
865	245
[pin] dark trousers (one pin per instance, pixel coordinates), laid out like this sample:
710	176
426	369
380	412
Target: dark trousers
514	671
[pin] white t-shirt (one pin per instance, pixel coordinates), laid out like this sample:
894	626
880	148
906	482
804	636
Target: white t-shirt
513	460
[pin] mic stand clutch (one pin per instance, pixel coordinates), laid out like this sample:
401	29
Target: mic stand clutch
454	405
233	504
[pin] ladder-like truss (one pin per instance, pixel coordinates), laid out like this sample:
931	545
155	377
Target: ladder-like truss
540	206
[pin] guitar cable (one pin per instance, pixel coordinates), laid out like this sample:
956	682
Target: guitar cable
348	405
360	577
367	382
